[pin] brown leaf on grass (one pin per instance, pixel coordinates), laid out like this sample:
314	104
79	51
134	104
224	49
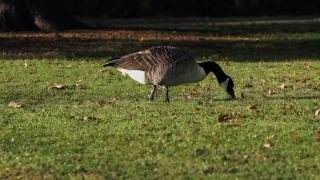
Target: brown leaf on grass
303	80
317	113
288	107
254	137
297	138
113	99
207	89
306	66
102	103
271	91
241	96
262	80
58	86
318	136
192	95
262	156
234	114
225	118
88	118
222	117
282	86
15	104
229	119
6	80
252	106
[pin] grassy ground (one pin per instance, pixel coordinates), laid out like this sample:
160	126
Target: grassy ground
79	120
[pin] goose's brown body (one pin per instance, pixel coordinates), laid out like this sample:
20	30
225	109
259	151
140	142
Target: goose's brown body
167	66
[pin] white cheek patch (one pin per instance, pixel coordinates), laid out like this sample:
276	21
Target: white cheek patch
224	84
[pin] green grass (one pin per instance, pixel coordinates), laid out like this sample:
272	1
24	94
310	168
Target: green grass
101	125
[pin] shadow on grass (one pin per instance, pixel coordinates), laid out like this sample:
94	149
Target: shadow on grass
237	41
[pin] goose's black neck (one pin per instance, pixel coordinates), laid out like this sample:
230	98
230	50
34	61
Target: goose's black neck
211	66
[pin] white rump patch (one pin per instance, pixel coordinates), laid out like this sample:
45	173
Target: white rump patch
224	84
136	75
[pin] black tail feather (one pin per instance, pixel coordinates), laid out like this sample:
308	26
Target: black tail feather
111	62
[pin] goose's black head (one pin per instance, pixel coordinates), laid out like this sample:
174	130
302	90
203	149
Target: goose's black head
224	80
230	88
227	85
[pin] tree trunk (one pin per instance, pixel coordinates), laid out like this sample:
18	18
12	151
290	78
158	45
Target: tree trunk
47	15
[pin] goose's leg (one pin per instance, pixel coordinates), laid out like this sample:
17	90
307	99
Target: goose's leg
166	91
154	87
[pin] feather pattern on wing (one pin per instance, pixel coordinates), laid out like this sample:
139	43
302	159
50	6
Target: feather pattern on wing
146	59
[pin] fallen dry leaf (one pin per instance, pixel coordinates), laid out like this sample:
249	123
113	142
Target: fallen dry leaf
192	95
306	66
229	119
260	156
318	136
87	118
271	91
262	80
252	106
103	70
15	104
6	80
282	86
222	117
207	89
288	107
297	138
101	103
234	114
58	86
317	113
113	100
241	96
267	145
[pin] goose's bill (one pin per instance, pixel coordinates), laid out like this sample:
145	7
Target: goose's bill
231	92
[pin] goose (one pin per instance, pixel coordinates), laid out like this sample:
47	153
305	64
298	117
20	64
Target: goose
168	66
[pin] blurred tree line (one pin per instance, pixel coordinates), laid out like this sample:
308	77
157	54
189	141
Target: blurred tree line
180	8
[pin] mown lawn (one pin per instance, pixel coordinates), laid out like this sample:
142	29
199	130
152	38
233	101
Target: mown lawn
70	118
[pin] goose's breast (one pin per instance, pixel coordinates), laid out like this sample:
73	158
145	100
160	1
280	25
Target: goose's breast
178	76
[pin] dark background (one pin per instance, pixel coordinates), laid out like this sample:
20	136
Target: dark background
190	8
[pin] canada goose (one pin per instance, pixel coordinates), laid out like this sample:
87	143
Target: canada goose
168	66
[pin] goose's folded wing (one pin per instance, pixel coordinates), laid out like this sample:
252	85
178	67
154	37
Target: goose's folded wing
146	59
